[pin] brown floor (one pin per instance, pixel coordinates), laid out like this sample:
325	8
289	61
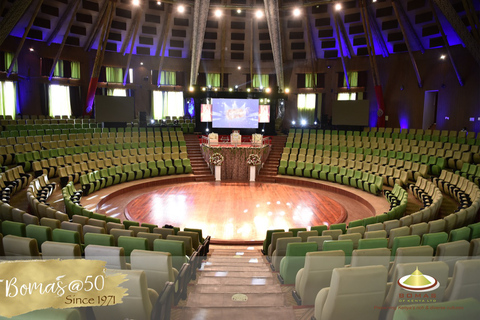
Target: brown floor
235	210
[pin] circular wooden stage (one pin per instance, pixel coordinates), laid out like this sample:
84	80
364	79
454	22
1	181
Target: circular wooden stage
232	211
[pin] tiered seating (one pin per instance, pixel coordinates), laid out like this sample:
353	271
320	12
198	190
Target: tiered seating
11	181
398	202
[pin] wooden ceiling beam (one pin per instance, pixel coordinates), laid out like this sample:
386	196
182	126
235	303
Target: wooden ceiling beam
16	11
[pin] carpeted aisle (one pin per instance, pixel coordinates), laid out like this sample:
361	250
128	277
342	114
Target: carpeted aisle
235	283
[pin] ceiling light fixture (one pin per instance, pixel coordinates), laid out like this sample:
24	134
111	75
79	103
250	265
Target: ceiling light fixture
218	13
259	14
239	11
338	6
296	12
181	8
136	2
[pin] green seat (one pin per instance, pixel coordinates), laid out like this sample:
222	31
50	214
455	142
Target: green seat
320	229
14	228
68	236
150	226
307	172
299	169
369	220
99	239
344	245
145	170
131	243
129	223
40	233
152	166
291	167
268	239
475	230
316	171
161	167
129	172
170	167
199	231
323	175
294	260
341	226
434	239
177	163
106	176
138	172
176	249
404	241
356	223
296	230
372	243
459	234
187	165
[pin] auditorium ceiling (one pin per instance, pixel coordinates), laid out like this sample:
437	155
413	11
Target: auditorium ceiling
316	32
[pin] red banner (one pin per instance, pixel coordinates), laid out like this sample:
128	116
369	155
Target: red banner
381	107
92	87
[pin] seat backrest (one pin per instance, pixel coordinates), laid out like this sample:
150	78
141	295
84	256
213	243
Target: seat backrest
316	273
157	266
113	256
18	248
354	293
333	233
116	233
305	234
410	255
164	232
273	242
372	243
371	257
405	241
355	237
132	243
375	234
417	272
61	250
176	249
281	250
193	235
451	252
136	305
186	240
465	282
319	240
151	237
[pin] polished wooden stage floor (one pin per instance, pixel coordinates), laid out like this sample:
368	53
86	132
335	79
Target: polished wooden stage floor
231	210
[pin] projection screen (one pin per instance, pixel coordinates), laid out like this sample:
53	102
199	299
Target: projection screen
114	109
351	113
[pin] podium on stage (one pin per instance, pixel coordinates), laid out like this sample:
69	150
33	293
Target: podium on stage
213	139
257	140
235	138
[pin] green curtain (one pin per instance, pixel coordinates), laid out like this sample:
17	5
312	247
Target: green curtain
306	107
8	60
213	79
8	98
58	71
260	80
310	80
167	104
75	66
59	101
114	75
352	79
117	92
168	78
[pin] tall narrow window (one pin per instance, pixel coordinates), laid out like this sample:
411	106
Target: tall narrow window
8	60
58	71
310	80
167	103
260	80
114	75
117	92
168	78
306	107
75	66
59	100
213	79
8	98
353	81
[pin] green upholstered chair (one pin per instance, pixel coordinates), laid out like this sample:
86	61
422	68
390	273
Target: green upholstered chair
344	245
372	243
131	243
296	230
294	260
459	234
14	228
434	239
176	249
40	233
99	239
268	239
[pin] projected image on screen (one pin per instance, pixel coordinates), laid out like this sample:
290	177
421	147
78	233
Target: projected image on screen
235	113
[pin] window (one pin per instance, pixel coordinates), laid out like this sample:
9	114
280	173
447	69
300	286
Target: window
58	71
75	66
59	101
8	98
8	58
117	92
353	79
167	103
260	80
168	78
310	80
213	79
306	104
114	75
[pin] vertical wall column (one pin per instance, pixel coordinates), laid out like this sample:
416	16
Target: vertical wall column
273	22
200	15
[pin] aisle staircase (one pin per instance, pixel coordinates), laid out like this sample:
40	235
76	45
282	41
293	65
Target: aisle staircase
270	168
200	169
235	282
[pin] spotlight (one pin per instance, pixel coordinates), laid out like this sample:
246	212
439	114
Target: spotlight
31	49
442	57
159	3
236	88
191	89
152	121
239	11
215	89
296	12
141	63
263	130
287	90
239	67
230	89
248	89
203	88
136	2
206	130
268	90
261	88
218	13
338	7
259	14
293	122
181	8
315	123
209	87
304	122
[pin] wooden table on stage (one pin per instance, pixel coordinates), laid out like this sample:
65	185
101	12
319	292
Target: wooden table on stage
235	165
